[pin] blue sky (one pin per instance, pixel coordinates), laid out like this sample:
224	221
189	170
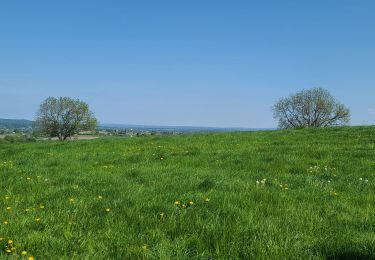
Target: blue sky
198	63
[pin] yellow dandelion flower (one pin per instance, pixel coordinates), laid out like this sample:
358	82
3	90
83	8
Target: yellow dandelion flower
41	206
191	202
71	200
9	208
24	253
10	241
7	197
8	251
107	209
100	197
206	199
161	158
37	219
6	222
30	258
183	205
177	202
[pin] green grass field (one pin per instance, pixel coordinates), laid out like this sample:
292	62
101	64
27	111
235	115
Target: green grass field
302	194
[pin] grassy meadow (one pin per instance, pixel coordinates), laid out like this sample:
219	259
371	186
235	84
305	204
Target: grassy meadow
298	194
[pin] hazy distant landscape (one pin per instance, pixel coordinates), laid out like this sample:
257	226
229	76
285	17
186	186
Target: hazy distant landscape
13	124
22	124
178	128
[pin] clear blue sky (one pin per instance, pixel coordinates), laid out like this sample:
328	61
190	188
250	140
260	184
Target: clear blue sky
192	62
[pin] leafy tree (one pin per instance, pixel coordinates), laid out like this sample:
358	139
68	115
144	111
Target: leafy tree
314	107
63	117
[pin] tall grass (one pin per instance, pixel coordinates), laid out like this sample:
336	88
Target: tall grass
306	194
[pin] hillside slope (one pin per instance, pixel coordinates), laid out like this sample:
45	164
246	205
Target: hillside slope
15	123
306	194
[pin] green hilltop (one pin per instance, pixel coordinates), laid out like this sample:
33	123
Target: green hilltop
295	194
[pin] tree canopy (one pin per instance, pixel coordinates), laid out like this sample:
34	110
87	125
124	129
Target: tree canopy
63	117
314	107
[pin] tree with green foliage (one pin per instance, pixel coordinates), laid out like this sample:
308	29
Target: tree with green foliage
314	107
63	117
